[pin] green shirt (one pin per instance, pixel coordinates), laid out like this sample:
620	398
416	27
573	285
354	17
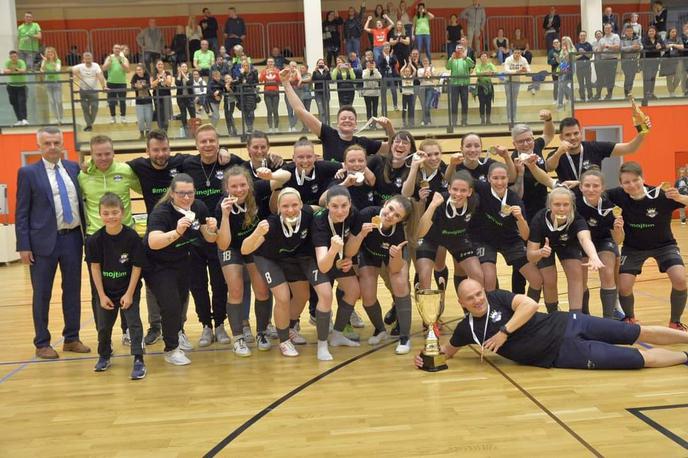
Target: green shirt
422	25
116	73
460	70
25	39
204	59
16	79
486	68
119	179
51	68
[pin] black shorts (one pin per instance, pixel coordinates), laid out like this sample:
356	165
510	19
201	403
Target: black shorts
289	270
606	245
427	249
591	343
561	252
632	260
233	256
514	253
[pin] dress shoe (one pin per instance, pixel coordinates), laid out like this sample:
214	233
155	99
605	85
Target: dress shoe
76	347
46	353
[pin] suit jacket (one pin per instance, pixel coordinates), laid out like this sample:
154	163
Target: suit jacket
35	218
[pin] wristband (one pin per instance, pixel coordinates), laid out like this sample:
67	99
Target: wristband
178	233
504	330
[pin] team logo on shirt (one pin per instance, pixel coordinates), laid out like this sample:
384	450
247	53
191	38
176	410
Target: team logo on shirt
173	172
219	174
482	178
592	222
398	182
195	225
564	237
540	160
314	188
371	197
651	212
124	258
445	185
304	233
467	218
385	246
495	316
118	178
420	242
586	164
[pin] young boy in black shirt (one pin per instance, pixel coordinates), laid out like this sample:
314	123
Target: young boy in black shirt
116	256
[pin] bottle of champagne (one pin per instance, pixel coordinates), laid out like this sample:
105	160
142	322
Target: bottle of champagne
639	118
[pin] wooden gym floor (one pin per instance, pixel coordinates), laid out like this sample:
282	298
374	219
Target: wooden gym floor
367	402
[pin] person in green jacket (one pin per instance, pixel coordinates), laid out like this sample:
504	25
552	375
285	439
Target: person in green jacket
485	71
117	66
459	66
16	86
51	66
28	40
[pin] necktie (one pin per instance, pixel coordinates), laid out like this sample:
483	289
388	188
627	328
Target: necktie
64	198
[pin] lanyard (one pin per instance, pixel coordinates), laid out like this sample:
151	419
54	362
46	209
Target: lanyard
580	164
288	229
188	213
263	163
238	208
452	213
505	210
334	232
601	212
475	338
652	194
427	178
555	227
301	178
370	122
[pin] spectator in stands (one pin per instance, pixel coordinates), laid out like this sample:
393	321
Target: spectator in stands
355	63
193	35
485	70
235	29
469	51
454	32
400	42
203	59
609	18
515	65
553	61
388	66
307	90
583	69
379	35
371	89
659	20
200	92
392	11
653	47
682	186
421	29
117	66
246	93
331	36
521	42
295	82
321	89
428	77
73	58
630	52
405	17
150	40
140	83
565	72
475	23
343	74
230	105
353	29
51	66
459	66
637	27
216	90
185	96
29	40
408	95
209	28
88	75
178	46
670	64
161	83
551	26
269	78
221	66
238	58
378	14
607	51
684	53
16	86
278	58
501	47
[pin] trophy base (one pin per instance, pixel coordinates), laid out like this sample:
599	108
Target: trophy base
433	363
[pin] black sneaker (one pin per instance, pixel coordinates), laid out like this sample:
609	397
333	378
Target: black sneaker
152	336
394	334
391	316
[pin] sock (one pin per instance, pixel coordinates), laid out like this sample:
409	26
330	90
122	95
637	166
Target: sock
322	324
441	277
312	301
518	282
586	302
374	313
403	314
343	316
627	303
263	312
283	334
608	298
246	299
678	304
534	294
293	323
552	306
457	280
234	312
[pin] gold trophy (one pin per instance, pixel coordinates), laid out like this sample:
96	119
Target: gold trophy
429	305
639	118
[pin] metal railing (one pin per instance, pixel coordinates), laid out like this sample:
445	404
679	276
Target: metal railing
527	24
103	39
255	43
286	35
63	40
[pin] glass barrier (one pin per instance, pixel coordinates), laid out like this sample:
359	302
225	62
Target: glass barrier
35	99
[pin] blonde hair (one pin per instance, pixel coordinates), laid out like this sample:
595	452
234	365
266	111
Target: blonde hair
251	206
287	191
204	127
560	191
48	49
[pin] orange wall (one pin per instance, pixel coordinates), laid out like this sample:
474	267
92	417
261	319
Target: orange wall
12	145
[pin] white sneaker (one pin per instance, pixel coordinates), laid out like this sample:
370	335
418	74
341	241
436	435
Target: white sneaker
177	357
206	337
295	337
271	332
350	334
123	119
18	123
377	339
240	348
263	342
184	342
337	339
113	120
287	349
323	351
221	335
404	346
356	320
248	335
126	339
25	122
